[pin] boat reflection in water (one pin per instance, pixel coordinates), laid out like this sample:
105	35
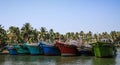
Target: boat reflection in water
57	60
104	61
28	60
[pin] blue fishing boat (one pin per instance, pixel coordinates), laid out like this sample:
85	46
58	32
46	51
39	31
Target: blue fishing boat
50	50
11	49
34	48
86	51
22	49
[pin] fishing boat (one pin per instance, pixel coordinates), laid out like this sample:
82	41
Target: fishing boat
21	49
87	51
34	48
11	49
3	50
104	48
49	49
2	47
67	50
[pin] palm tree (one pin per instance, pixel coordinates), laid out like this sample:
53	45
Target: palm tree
26	32
57	35
113	35
3	37
72	35
43	33
105	35
13	34
81	33
52	35
82	36
89	36
34	36
67	35
95	37
18	34
76	36
100	36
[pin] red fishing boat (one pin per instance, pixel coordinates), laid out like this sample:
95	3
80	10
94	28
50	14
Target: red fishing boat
67	50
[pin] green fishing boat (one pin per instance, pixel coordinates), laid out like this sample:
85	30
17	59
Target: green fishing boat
104	49
34	48
22	49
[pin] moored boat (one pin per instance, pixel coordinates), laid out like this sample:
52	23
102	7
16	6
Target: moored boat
49	49
22	49
104	48
2	47
87	51
11	49
67	50
34	48
3	50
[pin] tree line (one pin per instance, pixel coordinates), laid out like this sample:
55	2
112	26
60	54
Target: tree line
29	34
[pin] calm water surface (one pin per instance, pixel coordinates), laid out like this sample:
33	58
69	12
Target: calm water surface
58	60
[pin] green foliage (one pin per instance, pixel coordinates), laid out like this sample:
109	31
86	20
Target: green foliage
28	33
3	35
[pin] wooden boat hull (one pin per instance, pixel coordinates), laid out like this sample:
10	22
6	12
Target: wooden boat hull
67	50
4	52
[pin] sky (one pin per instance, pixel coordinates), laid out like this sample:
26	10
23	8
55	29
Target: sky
62	15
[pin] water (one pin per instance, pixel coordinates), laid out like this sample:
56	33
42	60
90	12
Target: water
58	60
